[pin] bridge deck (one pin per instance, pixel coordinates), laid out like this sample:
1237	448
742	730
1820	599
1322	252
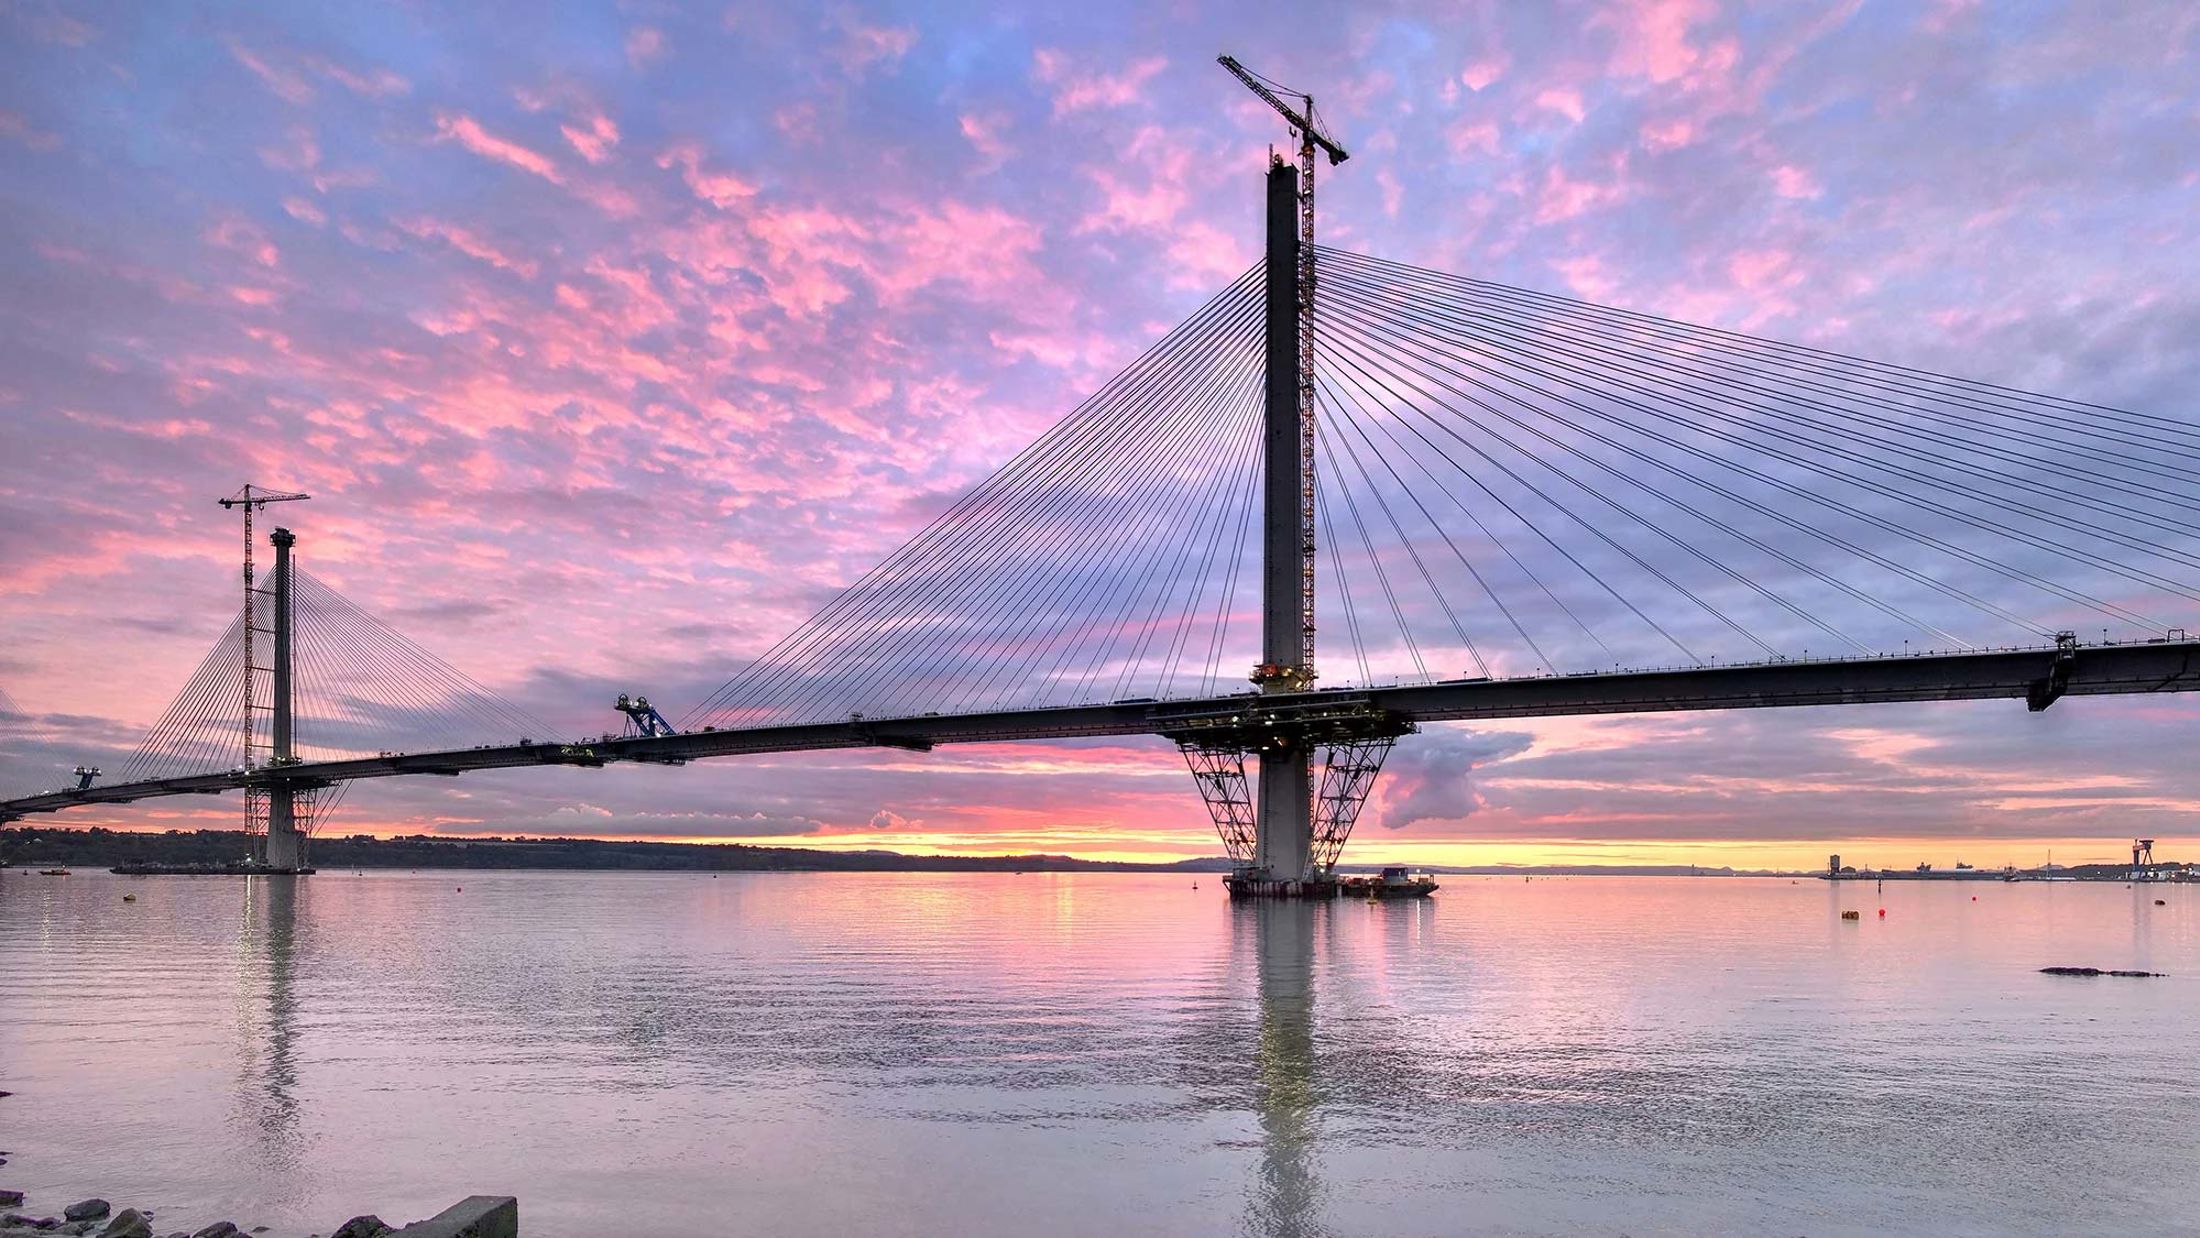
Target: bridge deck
2092	670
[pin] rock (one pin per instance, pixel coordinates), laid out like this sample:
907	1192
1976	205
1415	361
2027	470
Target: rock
369	1226
11	1199
17	1218
127	1224
79	1227
88	1210
219	1229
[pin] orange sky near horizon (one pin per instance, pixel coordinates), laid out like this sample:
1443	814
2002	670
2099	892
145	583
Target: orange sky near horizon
1167	846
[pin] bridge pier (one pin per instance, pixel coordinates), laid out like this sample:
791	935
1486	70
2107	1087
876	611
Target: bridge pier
1283	828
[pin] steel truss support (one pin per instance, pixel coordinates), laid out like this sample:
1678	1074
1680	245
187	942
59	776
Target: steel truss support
1352	735
1220	775
1348	773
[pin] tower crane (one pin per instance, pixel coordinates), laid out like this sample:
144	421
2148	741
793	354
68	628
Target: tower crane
1304	123
249	499
1306	127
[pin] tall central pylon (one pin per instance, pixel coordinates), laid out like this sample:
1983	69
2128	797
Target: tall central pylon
1283	826
285	806
1285	837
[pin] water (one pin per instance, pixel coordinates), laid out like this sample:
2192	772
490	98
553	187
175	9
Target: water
1087	1054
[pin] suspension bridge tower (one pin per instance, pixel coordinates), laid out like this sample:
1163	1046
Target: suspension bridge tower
286	808
1286	837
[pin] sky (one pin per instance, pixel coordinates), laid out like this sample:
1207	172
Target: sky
613	340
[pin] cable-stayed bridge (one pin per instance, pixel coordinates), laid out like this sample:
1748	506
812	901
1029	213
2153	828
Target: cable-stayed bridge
1487	502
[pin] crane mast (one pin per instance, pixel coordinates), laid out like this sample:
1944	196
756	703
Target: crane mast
1306	127
248	499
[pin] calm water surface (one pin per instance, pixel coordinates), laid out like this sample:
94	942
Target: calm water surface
933	1054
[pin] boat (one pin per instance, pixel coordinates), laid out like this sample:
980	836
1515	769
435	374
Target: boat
53	872
1394	881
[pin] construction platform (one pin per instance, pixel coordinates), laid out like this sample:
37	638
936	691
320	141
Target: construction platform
1392	882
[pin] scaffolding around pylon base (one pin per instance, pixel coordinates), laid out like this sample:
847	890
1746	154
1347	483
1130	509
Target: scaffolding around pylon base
287	848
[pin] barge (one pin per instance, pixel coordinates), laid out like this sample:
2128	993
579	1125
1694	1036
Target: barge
1394	881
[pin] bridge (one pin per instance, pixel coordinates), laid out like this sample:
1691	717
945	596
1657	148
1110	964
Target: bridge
1523	506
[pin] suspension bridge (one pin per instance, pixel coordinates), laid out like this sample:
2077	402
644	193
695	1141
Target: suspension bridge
1490	502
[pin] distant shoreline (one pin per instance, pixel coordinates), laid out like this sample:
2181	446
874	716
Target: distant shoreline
33	848
103	848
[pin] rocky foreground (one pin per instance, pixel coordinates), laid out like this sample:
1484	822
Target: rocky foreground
482	1216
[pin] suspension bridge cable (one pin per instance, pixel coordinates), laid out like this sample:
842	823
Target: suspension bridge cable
1513	344
1000	503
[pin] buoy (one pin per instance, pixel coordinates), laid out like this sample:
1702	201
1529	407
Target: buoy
1974	898
462	890
2161	902
1852	915
1882	913
131	898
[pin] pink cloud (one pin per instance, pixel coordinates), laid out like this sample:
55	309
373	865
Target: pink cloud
1563	196
304	211
468	243
368	83
300	152
643	45
863	46
286	74
593	140
798	121
15	128
238	235
467	132
1480	72
287	84
1466	137
1668	134
50	25
1076	90
1762	270
983	131
1790	181
720	189
1563	100
1652	37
